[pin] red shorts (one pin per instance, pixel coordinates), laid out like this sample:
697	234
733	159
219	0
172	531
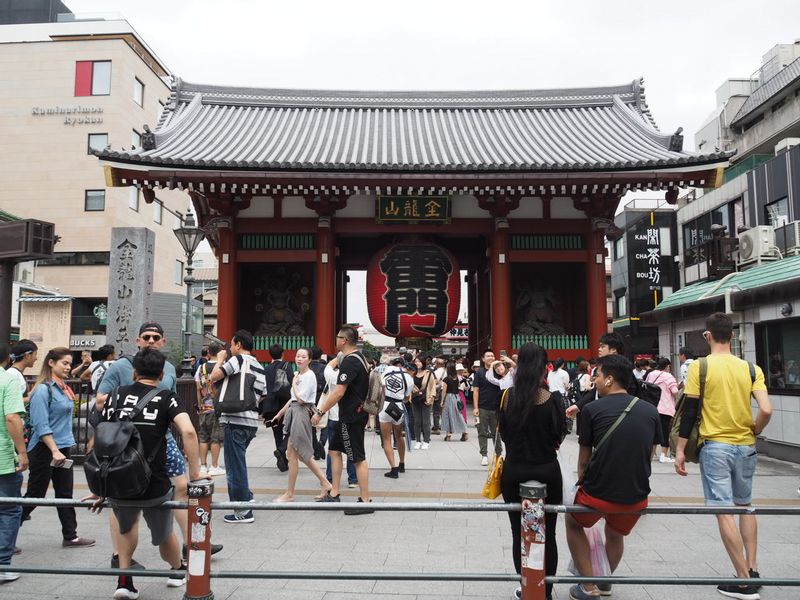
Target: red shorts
621	523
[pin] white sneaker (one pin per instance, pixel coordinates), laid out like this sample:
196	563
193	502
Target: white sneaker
425	445
8	577
417	445
665	459
484	461
213	471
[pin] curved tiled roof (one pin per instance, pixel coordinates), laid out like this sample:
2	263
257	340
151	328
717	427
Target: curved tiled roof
592	129
771	88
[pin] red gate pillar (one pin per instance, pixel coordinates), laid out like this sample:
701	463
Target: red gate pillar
500	270
325	287
596	301
227	294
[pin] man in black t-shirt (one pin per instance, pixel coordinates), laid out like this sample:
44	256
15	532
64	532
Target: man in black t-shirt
352	385
486	403
152	423
617	433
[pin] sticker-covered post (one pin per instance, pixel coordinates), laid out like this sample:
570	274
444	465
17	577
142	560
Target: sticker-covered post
198	583
532	495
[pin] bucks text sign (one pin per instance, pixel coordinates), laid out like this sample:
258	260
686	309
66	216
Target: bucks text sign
413	209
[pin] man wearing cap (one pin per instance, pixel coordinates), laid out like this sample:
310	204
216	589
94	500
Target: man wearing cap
120	373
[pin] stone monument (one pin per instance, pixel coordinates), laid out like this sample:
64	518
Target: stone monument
130	286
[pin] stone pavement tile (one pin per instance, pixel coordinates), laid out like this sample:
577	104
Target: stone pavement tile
263	590
488	589
332	585
339	595
418	587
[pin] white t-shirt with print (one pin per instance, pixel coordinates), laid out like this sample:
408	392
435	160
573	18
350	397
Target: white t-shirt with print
306	386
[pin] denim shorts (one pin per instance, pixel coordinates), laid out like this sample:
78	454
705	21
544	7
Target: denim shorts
727	473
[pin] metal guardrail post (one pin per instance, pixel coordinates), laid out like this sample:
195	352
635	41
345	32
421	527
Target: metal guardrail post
532	495
198	546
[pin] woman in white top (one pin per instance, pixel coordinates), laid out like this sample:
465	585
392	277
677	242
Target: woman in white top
297	426
502	373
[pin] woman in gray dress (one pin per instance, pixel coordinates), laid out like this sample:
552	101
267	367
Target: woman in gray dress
297	426
452	421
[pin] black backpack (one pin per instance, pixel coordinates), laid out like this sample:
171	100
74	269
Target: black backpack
279	387
644	390
117	466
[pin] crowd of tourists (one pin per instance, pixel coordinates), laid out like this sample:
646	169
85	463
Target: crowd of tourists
320	408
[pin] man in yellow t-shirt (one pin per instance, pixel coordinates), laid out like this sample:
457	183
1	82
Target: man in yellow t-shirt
728	456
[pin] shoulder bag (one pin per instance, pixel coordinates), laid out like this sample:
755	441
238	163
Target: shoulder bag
491	489
608	433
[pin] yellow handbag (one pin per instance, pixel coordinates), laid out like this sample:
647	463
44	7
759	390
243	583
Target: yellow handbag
491	489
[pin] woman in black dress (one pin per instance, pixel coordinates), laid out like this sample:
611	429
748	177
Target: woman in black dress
531	423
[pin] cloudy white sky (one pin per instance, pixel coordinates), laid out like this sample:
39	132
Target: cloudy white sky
683	49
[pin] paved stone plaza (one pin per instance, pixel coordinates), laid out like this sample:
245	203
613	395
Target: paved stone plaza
416	542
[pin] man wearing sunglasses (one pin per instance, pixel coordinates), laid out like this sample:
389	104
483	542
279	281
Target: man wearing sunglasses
120	373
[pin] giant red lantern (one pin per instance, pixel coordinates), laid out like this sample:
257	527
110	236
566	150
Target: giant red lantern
413	290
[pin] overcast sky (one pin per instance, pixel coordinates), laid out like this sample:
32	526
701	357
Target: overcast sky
683	49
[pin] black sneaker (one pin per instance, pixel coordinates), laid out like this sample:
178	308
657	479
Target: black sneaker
604	588
125	589
328	498
393	474
359	511
214	549
177	576
280	458
134	563
740	592
402	468
755	575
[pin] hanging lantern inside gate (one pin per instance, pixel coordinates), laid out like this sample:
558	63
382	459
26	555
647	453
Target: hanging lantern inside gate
413	290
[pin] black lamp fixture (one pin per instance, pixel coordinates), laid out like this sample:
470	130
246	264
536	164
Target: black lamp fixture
189	235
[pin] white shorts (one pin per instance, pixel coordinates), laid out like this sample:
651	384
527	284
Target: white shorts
385	418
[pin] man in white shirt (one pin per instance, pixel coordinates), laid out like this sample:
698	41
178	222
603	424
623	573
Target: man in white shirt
558	378
686	358
23	356
398	386
105	356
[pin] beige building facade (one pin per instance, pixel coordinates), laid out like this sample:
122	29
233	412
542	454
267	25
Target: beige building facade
69	88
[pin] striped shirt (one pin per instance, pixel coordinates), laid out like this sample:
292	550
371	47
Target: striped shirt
248	418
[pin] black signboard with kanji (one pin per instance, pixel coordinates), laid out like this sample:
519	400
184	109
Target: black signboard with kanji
410	210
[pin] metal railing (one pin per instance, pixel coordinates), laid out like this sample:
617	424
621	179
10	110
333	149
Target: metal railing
532	508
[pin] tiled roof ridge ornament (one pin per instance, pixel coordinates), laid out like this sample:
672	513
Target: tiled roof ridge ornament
148	139
676	141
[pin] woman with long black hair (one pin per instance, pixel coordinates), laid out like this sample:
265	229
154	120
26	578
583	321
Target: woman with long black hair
531	422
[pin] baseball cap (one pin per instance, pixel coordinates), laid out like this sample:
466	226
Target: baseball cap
151	326
476	364
460	367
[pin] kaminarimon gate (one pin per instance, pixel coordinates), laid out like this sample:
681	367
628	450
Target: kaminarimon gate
297	187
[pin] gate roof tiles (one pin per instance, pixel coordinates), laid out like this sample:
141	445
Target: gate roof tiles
590	129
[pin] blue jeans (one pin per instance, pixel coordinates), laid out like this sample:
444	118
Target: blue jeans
726	471
10	487
235	444
351	468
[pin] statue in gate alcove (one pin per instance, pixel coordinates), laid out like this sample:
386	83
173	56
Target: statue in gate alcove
284	304
536	312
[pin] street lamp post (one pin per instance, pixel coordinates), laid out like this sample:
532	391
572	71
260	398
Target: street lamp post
189	236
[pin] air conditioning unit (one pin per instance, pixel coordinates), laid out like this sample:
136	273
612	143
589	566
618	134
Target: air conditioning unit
787	238
757	245
786	144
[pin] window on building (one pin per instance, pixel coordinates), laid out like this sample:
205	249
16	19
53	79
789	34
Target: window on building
133	198
777	213
178	272
93	78
778	354
619	248
158	211
97	141
622	306
94	200
136	139
138	91
75	259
